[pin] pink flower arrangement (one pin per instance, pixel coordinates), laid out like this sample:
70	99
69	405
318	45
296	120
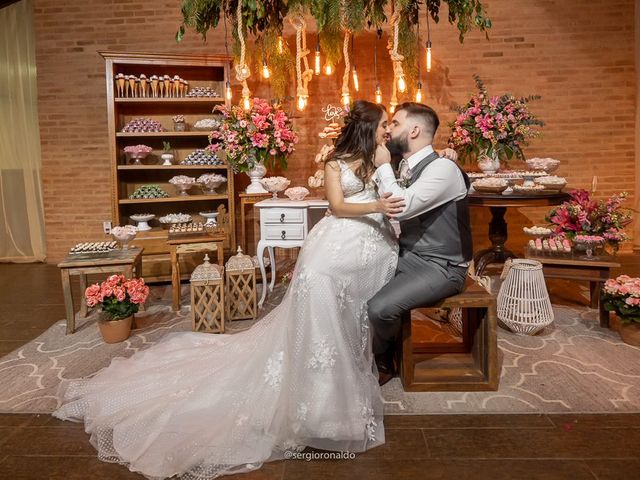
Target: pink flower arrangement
583	215
622	295
117	296
488	125
262	134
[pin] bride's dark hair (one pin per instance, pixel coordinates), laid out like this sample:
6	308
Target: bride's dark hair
358	137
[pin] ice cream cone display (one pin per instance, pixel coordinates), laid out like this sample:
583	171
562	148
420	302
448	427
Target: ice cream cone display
120	84
176	86
154	86
161	87
132	85
136	88
166	80
186	89
143	85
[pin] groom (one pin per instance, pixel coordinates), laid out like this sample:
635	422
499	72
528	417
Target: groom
435	239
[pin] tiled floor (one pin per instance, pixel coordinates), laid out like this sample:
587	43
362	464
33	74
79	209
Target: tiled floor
513	447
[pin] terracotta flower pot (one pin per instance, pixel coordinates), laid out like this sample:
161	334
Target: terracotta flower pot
114	331
630	333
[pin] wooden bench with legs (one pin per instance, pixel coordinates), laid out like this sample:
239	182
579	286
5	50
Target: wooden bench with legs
470	365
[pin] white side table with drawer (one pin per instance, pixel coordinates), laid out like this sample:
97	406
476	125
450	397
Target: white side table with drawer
284	223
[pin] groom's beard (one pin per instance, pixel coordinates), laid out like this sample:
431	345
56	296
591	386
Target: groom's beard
397	148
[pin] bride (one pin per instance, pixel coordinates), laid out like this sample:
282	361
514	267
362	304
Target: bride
203	405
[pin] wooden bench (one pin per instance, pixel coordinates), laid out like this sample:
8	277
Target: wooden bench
470	365
574	267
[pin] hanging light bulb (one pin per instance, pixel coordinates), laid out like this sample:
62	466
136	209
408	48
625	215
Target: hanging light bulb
265	69
227	89
346	99
402	84
392	108
328	69
317	65
419	93
428	55
244	70
356	84
378	94
302	103
246	101
280	44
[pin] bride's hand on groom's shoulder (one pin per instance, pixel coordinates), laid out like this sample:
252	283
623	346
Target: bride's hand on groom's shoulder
390	206
449	153
382	155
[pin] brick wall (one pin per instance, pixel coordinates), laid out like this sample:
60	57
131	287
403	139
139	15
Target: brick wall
579	55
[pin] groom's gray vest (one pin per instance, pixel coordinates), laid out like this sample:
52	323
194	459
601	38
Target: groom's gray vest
444	232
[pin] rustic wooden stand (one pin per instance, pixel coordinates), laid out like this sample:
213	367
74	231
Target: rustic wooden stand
127	262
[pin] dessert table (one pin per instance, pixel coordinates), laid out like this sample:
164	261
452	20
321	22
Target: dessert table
498	228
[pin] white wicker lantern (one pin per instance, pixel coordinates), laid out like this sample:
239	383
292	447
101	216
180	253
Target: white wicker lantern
523	300
241	287
207	298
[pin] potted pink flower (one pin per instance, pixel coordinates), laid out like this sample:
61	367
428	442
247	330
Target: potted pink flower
622	296
254	138
119	298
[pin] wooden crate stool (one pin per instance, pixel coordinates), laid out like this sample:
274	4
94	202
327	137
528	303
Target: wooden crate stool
574	267
200	242
240	276
468	366
207	298
126	262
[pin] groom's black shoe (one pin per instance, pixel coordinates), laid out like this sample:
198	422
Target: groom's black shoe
386	367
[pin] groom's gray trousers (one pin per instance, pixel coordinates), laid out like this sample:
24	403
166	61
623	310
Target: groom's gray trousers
418	282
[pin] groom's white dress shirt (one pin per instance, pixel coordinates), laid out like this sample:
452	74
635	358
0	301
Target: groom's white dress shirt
440	182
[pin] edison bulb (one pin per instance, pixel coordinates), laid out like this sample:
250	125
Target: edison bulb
328	69
246	103
346	99
265	70
317	68
302	103
378	94
419	93
428	56
356	84
227	88
402	85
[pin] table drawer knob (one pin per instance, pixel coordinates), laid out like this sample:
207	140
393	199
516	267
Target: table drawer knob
282	218
284	235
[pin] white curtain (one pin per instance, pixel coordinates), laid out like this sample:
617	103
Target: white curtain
22	236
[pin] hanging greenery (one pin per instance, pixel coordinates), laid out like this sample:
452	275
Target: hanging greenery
265	21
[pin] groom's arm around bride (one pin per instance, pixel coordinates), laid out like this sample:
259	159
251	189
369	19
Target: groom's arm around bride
435	240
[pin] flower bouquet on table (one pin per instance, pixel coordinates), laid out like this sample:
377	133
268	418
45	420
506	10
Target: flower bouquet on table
622	296
261	135
493	128
119	299
582	215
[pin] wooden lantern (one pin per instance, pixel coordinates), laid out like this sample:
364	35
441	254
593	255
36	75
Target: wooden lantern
207	298
241	287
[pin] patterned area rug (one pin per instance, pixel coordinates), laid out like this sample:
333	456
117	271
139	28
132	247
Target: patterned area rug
572	366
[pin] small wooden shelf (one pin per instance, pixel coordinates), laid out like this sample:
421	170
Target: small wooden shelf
172	167
162	134
172	101
186	198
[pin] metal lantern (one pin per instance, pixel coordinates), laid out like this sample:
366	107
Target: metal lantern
207	298
241	287
523	301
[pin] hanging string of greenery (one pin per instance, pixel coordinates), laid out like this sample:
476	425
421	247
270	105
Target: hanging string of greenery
265	21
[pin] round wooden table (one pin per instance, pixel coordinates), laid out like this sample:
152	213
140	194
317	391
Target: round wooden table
498	205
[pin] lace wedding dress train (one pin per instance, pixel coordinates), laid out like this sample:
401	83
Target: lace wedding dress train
202	405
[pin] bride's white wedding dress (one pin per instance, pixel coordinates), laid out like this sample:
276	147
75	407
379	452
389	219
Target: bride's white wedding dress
204	405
